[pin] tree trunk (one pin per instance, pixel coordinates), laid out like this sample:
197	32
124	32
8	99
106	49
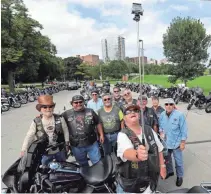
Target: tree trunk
10	81
185	82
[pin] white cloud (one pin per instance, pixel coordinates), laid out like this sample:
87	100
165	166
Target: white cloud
179	7
73	34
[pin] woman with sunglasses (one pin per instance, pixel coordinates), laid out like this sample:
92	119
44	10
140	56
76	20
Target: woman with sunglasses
48	126
173	129
135	172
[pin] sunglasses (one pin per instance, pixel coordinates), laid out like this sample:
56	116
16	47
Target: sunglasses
170	104
78	102
116	91
94	94
127	94
131	111
106	99
46	106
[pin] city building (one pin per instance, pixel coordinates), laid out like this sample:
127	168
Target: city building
113	48
165	61
135	60
90	59
152	61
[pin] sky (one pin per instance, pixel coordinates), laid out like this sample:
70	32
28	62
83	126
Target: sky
77	26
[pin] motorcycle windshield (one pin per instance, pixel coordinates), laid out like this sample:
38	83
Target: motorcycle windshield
198	91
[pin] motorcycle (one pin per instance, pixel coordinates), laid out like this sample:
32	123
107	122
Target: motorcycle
198	99
203	188
4	105
58	177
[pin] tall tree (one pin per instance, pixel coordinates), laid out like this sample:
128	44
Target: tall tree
71	64
185	44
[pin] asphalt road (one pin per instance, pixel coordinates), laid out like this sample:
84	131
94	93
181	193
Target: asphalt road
197	156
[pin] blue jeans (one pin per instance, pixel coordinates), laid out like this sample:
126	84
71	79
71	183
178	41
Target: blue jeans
177	153
59	157
109	142
80	154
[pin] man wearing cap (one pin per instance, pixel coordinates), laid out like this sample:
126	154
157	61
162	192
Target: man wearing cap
95	103
150	117
111	118
81	123
128	99
138	170
117	98
155	106
173	129
48	125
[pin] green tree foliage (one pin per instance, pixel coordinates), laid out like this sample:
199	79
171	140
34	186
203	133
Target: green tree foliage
71	64
25	51
83	71
185	44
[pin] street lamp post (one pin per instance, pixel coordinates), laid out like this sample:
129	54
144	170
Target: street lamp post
138	11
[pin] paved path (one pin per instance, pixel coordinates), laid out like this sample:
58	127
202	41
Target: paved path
197	157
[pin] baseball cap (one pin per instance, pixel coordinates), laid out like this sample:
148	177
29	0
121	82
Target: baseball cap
77	97
131	106
169	101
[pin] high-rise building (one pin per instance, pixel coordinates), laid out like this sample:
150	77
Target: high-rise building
113	48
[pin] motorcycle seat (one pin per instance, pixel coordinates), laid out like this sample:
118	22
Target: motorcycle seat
99	172
195	189
208	97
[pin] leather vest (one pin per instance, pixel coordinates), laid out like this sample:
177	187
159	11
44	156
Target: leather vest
149	117
135	177
41	134
82	131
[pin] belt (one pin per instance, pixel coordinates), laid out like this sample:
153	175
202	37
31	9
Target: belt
113	132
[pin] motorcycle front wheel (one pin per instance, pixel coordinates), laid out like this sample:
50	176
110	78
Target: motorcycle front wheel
17	105
208	108
4	108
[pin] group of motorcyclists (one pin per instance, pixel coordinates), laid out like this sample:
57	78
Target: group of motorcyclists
110	120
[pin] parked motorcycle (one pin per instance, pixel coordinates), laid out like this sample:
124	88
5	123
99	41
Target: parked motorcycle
208	108
58	177
4	105
198	99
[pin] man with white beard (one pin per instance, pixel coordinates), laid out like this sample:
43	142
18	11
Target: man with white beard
49	126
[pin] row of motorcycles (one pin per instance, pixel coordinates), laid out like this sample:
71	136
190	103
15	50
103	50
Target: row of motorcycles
27	175
31	94
180	93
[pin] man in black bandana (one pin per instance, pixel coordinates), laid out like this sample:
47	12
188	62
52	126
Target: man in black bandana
81	123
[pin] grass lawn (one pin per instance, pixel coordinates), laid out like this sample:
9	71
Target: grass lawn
203	81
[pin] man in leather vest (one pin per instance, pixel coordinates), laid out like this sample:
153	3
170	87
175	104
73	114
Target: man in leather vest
50	127
150	118
141	156
111	118
128	99
82	123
